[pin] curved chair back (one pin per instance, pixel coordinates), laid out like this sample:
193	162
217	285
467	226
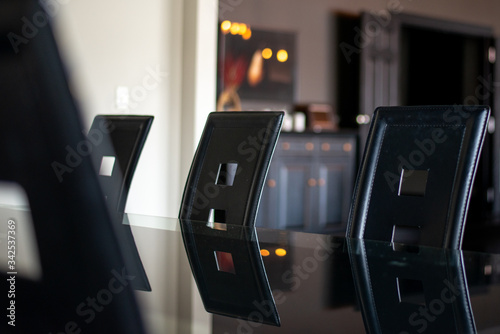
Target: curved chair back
417	173
119	142
230	166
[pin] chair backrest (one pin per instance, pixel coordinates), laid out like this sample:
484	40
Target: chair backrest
230	166
42	149
416	176
119	140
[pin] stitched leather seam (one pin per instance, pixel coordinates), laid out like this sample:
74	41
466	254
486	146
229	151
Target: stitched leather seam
424	108
373	180
370	281
447	223
469	181
430	125
465	295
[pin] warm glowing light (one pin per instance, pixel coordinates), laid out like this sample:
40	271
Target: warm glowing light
362	119
225	26
264	252
280	252
255	72
267	53
247	34
235	28
282	55
243	29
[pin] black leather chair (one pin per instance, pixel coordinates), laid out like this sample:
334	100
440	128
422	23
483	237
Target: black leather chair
416	176
42	149
230	166
424	291
118	141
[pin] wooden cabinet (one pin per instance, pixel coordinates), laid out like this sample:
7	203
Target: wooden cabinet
310	182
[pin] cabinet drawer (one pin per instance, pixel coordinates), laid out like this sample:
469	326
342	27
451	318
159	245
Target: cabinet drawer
336	146
297	146
314	145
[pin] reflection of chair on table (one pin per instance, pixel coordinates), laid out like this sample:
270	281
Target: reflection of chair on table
227	266
118	142
230	166
418	292
416	176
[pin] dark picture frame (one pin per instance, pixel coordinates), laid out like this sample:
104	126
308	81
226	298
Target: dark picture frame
241	64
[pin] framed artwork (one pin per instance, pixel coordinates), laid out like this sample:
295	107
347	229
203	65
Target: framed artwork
254	64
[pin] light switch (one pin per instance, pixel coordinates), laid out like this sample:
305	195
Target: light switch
122	98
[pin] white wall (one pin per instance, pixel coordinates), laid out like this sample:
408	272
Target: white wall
121	43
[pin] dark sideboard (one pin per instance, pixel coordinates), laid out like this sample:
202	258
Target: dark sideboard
310	181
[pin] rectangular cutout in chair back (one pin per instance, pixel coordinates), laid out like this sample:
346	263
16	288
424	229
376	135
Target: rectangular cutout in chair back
217	216
410	291
224	262
107	164
226	174
413	182
408	235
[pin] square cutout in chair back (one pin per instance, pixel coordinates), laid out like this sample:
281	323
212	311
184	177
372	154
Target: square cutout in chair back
410	291
409	235
226	174
224	262
413	182
107	164
217	216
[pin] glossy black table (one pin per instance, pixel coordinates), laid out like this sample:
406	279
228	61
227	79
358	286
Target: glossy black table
274	281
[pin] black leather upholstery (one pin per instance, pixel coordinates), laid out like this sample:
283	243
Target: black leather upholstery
414	182
423	291
42	148
121	139
230	166
229	272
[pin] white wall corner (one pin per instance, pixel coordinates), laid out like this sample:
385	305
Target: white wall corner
199	74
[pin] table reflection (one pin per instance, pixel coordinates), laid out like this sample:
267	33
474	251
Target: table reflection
411	290
227	265
131	256
320	284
